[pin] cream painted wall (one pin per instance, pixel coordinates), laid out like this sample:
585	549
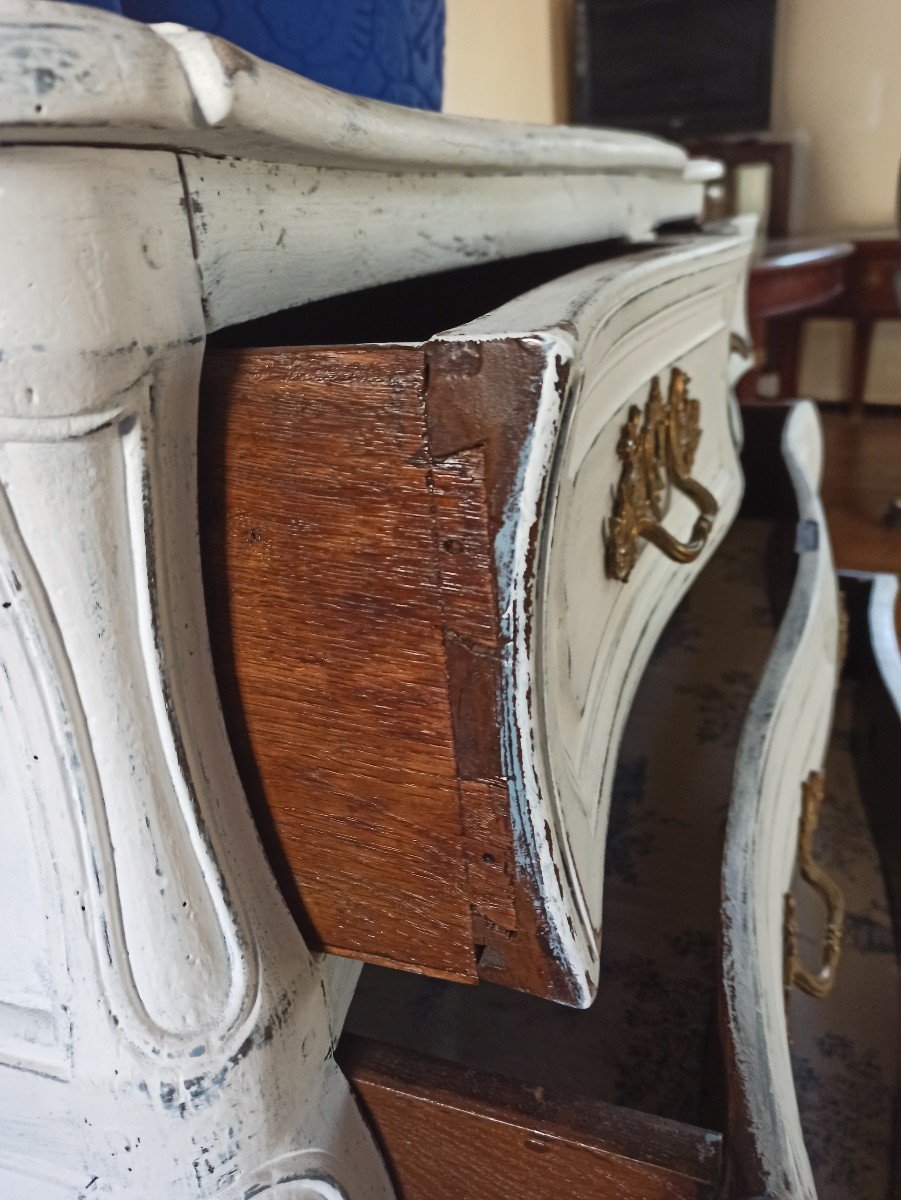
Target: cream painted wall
508	59
837	87
837	92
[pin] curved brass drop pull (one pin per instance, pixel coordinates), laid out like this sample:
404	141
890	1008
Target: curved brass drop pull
657	449
821	983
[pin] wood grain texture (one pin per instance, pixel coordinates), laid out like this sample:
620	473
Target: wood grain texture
347	524
581	349
449	1133
326	622
160	1014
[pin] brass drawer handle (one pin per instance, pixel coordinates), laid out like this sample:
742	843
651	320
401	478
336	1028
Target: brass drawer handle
821	983
657	448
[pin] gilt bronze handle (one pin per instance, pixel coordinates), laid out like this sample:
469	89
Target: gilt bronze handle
657	449
796	974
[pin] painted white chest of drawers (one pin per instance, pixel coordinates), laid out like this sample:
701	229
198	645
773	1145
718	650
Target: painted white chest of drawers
173	1036
164	1029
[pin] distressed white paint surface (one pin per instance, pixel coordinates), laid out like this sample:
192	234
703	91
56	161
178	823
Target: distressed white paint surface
784	739
578	640
315	192
273	236
884	636
168	1034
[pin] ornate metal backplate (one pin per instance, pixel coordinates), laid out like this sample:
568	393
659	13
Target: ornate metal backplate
657	449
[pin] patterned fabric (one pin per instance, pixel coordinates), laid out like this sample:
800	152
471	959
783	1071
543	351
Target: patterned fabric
386	49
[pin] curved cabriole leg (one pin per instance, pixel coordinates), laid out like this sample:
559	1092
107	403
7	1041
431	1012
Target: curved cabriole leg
164	1032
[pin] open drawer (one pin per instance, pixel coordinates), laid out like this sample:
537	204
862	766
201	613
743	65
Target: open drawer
738	696
435	572
811	1021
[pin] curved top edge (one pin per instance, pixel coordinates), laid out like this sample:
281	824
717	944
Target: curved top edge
70	74
572	301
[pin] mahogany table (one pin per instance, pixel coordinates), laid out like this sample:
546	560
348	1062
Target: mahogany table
872	294
791	278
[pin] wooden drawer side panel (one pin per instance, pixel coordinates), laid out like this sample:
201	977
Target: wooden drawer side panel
325	613
424	663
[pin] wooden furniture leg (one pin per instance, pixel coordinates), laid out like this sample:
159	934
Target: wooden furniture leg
863	339
790	333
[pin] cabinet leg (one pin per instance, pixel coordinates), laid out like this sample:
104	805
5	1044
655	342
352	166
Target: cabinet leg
171	1035
860	362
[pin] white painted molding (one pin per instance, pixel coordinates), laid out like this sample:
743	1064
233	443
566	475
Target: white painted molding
883	634
274	236
108	80
298	191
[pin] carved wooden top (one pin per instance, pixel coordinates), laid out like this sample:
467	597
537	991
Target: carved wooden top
84	75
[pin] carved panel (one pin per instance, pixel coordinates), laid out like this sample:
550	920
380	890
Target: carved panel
174	1030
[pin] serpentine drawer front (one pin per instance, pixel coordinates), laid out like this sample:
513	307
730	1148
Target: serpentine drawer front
381	533
435	572
780	755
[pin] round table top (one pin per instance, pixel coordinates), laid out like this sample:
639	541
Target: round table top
797	252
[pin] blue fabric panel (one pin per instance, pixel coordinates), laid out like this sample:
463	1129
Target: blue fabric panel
387	49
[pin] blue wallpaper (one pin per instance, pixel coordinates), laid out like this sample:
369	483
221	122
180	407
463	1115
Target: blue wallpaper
387	49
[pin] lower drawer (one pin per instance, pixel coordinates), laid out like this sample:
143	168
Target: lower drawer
778	764
451	1133
738	696
844	1045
